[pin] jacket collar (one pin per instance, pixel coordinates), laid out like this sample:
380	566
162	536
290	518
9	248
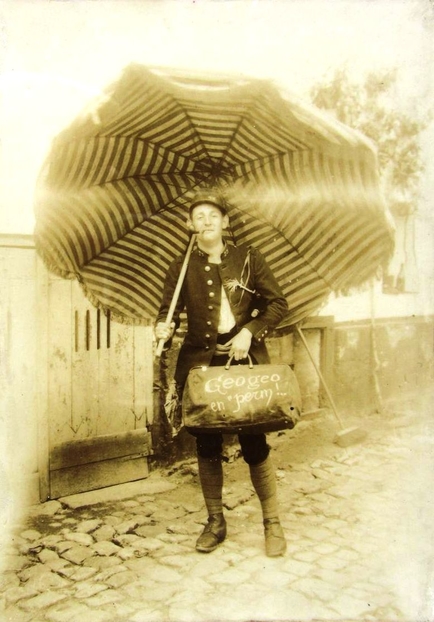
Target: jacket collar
202	253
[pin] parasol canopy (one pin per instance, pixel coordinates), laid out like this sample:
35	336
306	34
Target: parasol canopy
113	195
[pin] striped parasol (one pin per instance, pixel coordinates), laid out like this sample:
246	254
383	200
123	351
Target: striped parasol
113	195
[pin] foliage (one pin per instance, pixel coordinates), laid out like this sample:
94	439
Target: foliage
370	107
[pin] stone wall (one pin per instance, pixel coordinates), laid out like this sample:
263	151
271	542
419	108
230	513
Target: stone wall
384	361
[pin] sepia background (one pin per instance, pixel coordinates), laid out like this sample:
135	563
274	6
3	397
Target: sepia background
56	57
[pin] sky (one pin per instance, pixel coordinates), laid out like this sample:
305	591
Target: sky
56	56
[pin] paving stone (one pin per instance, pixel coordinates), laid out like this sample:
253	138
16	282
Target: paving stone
321	500
49	508
89	526
127	526
150	531
70	520
143	566
278	578
347	555
105	574
103	598
78	554
31	534
148	507
168	513
332	563
128	539
16	594
120	578
191	507
106	548
86	589
14	563
83	573
84	539
336	525
64	545
8	580
305	556
48	580
178	561
113	520
151	615
179	540
47	555
131	503
101	563
122	611
31	572
316	533
351	608
222	609
64	569
165	575
313	587
207	566
127	553
229	576
42	601
70	612
183	529
297	568
325	548
106	532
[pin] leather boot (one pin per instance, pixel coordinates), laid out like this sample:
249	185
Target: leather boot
275	543
213	534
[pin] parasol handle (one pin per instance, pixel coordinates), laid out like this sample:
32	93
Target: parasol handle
177	291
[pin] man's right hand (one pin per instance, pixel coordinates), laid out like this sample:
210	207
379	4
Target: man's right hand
164	331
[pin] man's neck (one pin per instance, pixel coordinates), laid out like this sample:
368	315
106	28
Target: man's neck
214	251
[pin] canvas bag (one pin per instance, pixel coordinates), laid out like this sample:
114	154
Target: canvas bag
237	399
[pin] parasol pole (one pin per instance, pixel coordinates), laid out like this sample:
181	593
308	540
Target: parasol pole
177	291
346	436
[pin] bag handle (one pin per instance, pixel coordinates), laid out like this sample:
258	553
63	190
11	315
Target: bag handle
228	364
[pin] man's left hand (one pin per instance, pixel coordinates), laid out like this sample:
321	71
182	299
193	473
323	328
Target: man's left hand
240	344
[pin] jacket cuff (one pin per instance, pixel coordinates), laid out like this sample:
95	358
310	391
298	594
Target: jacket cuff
258	329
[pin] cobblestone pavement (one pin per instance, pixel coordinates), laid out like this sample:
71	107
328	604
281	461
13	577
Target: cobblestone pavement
358	523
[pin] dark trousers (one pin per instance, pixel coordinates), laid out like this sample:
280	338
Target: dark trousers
254	447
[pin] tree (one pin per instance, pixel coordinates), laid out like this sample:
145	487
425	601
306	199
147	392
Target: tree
370	107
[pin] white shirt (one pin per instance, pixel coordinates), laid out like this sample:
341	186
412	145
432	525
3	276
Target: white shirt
226	319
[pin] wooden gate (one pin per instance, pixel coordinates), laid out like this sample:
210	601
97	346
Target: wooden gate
99	402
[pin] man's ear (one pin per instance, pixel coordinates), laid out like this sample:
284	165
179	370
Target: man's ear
190	224
225	222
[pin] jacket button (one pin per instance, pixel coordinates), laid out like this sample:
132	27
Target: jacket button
209	282
207	268
211	294
210	307
208	323
207	336
206	347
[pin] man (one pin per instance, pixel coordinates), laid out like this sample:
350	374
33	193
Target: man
232	300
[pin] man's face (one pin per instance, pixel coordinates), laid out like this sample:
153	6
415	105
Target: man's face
208	222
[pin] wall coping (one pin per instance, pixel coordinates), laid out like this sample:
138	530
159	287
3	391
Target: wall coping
16	240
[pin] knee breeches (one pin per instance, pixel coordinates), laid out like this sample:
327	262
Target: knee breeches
254	447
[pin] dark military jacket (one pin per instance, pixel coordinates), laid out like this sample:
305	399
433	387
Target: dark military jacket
242	268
